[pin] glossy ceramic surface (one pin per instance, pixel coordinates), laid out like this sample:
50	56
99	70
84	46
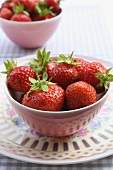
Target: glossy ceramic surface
30	34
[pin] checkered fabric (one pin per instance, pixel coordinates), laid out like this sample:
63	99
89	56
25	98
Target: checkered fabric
13	164
82	30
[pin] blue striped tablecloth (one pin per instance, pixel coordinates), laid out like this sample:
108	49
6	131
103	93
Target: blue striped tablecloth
82	30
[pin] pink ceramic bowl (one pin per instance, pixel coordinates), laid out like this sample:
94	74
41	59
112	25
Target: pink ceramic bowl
30	34
61	123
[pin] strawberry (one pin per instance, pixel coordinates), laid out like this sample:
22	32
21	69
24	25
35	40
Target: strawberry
20	14
81	61
8	4
36	16
44	95
29	5
80	94
48	16
104	80
42	12
64	71
81	65
55	5
49	67
64	74
18	77
21	18
96	75
88	74
6	13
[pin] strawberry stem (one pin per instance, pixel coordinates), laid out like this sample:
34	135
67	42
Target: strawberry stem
9	65
67	59
20	9
42	9
40	84
105	79
42	59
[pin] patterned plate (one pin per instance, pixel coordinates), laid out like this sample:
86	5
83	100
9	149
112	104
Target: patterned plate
18	141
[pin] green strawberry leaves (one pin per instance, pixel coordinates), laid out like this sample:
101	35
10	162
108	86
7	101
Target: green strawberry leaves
63	59
105	79
39	64
42	59
40	84
42	9
9	65
67	59
20	9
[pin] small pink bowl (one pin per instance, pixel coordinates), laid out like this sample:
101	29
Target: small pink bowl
61	123
30	34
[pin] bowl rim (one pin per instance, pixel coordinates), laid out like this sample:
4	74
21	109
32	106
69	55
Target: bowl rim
54	112
32	22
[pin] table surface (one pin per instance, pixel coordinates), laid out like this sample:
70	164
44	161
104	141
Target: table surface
86	29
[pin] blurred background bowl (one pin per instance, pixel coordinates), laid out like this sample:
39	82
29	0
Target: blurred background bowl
30	34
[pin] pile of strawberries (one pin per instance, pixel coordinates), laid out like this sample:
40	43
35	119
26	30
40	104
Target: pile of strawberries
29	10
54	84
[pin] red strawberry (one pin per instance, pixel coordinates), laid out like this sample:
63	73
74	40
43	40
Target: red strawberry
21	18
80	67
88	73
6	13
36	17
48	16
81	61
18	77
20	14
44	96
55	4
64	71
49	68
80	94
104	80
42	12
29	5
8	4
64	74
